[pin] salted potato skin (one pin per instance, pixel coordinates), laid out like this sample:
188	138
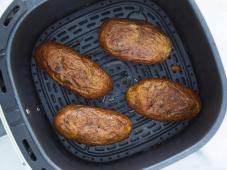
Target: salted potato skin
163	100
91	125
134	40
73	71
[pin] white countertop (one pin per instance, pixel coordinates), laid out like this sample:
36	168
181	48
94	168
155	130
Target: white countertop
213	156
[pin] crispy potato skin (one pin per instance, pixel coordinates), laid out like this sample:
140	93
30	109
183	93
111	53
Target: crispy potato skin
163	100
73	71
134	40
91	125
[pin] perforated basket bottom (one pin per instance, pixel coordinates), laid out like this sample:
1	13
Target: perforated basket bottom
80	31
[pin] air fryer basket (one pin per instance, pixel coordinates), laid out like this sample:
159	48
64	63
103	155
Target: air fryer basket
80	31
30	98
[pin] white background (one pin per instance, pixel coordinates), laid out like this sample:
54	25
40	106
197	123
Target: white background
212	156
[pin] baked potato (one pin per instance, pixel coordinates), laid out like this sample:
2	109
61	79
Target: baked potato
91	125
134	40
163	100
73	71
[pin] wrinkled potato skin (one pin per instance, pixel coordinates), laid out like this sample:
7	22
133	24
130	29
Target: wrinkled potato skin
134	40
163	100
73	71
91	125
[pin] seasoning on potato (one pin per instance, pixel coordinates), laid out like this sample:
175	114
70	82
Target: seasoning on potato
134	40
163	100
91	125
73	71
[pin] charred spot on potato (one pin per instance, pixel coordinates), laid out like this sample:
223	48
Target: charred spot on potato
58	68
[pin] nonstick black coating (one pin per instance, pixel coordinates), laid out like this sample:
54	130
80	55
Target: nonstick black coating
80	31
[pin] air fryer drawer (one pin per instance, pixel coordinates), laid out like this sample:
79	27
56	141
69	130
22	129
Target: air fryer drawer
32	98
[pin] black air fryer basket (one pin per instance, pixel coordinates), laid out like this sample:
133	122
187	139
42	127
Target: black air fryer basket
30	98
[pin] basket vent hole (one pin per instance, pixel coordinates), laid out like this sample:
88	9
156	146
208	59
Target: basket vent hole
91	24
146	134
117	9
2	83
72	27
96	42
151	16
64	38
158	24
89	38
150	126
94	17
105	13
83	22
61	33
123	143
29	150
77	31
156	129
86	46
135	139
118	85
119	15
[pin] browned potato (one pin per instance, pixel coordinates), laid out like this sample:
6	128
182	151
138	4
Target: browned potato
91	125
73	71
134	40
163	100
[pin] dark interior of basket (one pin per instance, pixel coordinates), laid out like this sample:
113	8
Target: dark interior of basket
80	31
